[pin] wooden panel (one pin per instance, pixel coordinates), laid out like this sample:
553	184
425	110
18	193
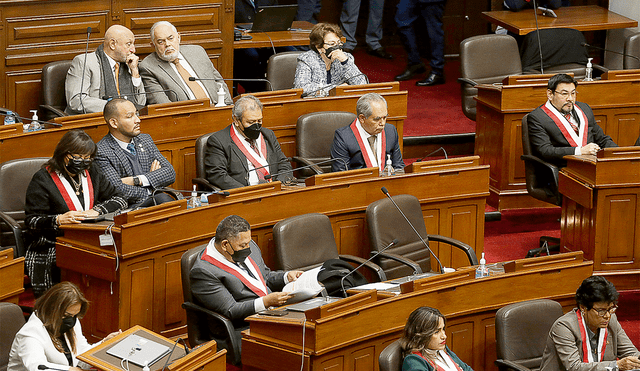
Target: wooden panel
461	218
620	233
488	334
351	237
168	268
11	276
362	359
137	293
460	337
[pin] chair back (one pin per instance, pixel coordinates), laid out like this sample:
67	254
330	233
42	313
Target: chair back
15	176
314	135
486	59
197	328
522	330
631	48
539	186
390	359
12	319
562	52
54	75
304	242
281	69
385	223
201	144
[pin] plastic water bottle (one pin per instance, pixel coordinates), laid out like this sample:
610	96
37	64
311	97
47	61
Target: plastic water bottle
588	72
482	270
9	119
388	168
35	125
194	201
221	95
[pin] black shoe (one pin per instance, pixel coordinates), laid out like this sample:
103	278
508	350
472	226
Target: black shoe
380	53
411	71
432	79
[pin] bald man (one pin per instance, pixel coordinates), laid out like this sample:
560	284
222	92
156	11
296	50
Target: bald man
109	72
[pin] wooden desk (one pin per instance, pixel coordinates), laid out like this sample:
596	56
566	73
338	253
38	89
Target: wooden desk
582	18
298	35
141	283
601	212
350	334
175	127
204	358
11	276
500	110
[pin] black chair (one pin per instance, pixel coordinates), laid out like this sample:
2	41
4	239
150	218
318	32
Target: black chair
631	50
201	173
54	75
203	324
541	179
15	176
390	359
281	69
11	320
314	136
410	255
306	241
521	333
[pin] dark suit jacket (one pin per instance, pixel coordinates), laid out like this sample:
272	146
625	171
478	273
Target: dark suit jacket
345	146
158	74
564	346
226	165
548	143
115	165
224	293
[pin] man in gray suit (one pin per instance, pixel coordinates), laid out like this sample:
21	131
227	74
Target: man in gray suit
130	160
87	83
230	277
171	65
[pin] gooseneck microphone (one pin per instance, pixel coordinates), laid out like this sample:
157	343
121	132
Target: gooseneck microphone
609	50
434	152
394	242
84	65
426	244
109	97
30	119
45	367
270	164
535	14
269	176
333	85
239	80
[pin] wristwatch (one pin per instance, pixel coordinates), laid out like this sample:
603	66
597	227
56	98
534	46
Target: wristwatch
136	181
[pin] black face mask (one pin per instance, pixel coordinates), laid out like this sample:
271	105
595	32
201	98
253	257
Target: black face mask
240	255
76	166
67	324
331	49
252	132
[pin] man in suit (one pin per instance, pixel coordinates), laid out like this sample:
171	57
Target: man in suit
563	126
245	153
369	140
229	277
171	65
110	71
590	338
129	159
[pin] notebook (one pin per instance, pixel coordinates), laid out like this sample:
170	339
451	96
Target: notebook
139	350
272	18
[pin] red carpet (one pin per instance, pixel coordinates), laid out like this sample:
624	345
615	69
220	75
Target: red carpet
430	110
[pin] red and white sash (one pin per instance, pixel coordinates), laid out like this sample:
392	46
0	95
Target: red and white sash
438	365
69	194
587	356
381	145
258	286
258	160
563	124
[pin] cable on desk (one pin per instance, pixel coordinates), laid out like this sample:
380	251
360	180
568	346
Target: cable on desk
304	327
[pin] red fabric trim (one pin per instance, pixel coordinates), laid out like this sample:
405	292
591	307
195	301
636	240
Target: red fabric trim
383	150
560	126
62	190
256	290
585	128
250	157
90	190
583	336
435	365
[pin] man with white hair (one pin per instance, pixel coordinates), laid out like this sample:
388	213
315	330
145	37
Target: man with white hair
166	72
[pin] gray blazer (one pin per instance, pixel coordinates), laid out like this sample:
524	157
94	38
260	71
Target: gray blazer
564	346
158	74
311	72
92	86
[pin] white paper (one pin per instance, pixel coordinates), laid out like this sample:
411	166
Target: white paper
305	287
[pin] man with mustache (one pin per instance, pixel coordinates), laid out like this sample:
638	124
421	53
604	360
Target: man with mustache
112	71
170	67
563	126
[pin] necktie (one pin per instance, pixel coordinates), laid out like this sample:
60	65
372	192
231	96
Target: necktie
198	92
573	126
244	266
116	70
254	146
372	144
132	148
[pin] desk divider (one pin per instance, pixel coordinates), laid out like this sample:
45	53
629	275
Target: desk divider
543	262
342	176
150	212
342	305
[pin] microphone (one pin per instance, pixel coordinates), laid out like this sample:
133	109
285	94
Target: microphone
161	189
269	176
45	367
426	244
394	242
609	50
84	65
20	118
109	97
333	85
240	80
535	14
434	152
267	165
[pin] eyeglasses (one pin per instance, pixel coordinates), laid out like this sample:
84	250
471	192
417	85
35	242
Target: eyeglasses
333	43
603	312
566	94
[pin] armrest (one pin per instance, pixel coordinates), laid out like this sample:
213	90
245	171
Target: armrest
217	317
204	184
358	260
17	234
305	162
503	363
600	68
400	259
52	109
464	80
468	250
551	170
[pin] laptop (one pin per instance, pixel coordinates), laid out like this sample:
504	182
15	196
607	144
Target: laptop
272	18
138	350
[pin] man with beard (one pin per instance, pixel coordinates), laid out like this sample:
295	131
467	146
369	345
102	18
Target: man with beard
170	67
563	126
